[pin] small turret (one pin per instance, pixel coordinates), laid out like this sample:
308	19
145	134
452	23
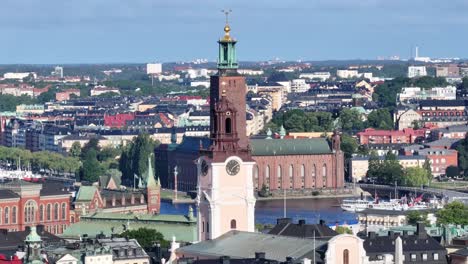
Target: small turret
269	134
282	132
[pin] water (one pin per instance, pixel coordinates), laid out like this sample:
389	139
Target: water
266	212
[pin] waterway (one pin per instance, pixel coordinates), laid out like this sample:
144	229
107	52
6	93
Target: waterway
267	211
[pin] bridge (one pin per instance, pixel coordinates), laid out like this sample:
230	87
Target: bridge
388	190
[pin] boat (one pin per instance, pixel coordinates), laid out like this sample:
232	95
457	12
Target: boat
20	174
358	205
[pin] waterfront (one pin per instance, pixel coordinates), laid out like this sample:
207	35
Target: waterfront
267	211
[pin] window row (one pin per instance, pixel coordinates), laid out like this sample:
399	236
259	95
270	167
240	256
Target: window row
292	173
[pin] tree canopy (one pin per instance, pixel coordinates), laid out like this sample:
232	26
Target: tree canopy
380	119
299	121
462	149
146	237
453	213
350	120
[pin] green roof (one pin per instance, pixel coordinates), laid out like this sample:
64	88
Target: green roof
301	146
183	231
85	193
141	217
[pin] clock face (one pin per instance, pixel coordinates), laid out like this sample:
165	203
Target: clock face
204	168
232	167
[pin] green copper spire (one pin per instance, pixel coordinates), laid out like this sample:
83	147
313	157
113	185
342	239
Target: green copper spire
150	181
282	132
227	48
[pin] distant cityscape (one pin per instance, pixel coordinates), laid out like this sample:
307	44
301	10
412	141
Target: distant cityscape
200	162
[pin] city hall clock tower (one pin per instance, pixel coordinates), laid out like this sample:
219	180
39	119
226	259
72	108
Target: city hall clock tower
225	199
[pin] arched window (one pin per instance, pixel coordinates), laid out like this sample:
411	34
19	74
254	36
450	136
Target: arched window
314	175
64	211
324	175
30	212
48	212
291	176
255	174
56	211
41	213
233	224
7	216
345	256
278	175
303	176
228	126
267	176
13	215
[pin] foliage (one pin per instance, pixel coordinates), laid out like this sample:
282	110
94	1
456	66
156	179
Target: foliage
416	176
380	119
350	120
93	144
40	160
47	96
264	192
387	171
146	237
134	158
9	102
349	146
414	217
462	149
343	230
91	169
453	213
75	150
452	171
299	121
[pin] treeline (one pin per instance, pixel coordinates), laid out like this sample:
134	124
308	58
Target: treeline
347	120
39	160
389	171
386	93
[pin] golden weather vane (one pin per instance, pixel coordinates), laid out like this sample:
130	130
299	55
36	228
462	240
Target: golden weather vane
227	28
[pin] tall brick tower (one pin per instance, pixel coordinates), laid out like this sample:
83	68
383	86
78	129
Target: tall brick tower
230	83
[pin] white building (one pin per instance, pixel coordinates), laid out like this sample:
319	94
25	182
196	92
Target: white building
197	73
435	93
153	68
299	86
18	75
200	83
346	74
322	76
58	72
250	72
416	71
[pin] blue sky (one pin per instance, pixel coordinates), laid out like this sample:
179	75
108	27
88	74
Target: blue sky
100	31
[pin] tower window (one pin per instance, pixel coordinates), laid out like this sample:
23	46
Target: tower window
345	256
233	224
228	126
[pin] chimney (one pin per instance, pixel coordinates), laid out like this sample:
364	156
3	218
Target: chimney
142	199
391	234
289	260
259	255
283	221
322	222
405	233
123	199
420	230
104	202
132	201
372	235
113	200
362	196
302	222
225	260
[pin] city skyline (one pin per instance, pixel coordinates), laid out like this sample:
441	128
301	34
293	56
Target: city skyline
54	32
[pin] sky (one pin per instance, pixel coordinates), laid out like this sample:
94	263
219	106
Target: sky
113	31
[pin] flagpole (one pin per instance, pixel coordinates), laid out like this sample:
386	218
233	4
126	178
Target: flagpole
284	203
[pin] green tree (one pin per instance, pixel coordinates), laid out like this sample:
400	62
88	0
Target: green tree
75	150
380	119
134	158
452	171
414	217
93	144
146	237
416	176
91	169
350	120
453	213
374	166
343	230
462	149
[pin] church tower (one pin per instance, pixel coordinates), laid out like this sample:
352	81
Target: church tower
225	199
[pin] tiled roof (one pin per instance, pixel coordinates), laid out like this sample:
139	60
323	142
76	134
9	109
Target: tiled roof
303	230
85	193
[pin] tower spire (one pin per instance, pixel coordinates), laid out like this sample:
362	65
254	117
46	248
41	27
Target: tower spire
227	51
